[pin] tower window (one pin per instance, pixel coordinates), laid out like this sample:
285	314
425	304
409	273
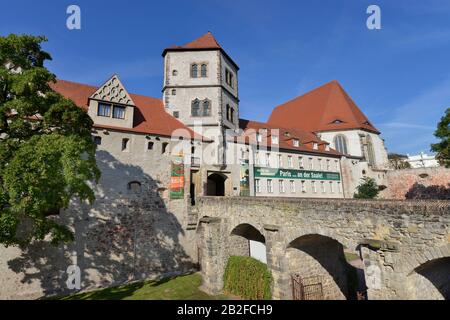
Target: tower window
150	145
175	73
98	140
164	147
194	70
119	112
174	92
230	113
229	77
195	108
176	114
104	110
125	144
203	70
206	108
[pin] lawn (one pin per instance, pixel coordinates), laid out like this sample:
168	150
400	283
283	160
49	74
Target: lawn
174	288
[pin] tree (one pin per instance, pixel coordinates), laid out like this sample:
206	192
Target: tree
47	156
367	189
398	161
442	148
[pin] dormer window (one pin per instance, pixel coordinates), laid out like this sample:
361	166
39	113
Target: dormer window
337	121
315	146
119	112
296	142
104	110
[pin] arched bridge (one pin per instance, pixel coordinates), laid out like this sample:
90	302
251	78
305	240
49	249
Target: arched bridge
402	247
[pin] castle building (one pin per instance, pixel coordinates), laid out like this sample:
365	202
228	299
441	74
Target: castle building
192	142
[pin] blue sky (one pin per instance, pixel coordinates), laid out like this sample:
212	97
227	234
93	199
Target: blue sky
399	75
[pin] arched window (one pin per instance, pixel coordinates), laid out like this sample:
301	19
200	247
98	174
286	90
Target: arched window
203	71
370	153
340	143
206	108
195	109
194	68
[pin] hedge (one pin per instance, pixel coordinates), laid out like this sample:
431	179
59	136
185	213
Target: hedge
247	278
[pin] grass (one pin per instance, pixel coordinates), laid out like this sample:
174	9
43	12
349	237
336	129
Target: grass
350	256
174	288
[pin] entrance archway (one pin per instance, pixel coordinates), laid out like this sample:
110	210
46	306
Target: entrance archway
246	240
216	185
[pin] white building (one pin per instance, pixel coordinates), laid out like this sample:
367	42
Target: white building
422	160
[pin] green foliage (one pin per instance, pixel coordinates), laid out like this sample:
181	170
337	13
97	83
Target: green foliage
47	156
442	148
367	189
248	278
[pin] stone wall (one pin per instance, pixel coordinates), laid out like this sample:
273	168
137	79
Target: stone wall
394	238
419	183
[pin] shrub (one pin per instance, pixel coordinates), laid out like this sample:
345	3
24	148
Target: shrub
368	189
248	278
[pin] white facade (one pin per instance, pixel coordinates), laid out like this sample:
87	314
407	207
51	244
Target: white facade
422	160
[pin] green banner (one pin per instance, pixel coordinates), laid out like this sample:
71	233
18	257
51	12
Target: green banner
295	174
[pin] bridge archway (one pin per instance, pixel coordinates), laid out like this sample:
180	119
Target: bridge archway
318	263
431	280
246	240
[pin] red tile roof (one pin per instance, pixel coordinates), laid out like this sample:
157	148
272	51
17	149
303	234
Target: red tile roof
286	137
149	114
326	108
205	42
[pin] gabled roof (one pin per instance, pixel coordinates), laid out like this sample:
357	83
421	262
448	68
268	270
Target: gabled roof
325	108
149	114
285	141
113	91
205	42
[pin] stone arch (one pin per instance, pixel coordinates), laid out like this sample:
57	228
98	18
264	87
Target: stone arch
247	240
316	258
431	278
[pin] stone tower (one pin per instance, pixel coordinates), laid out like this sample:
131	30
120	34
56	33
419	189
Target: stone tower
201	89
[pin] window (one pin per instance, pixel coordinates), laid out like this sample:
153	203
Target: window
125	144
280	161
331	187
229	77
322	185
336	162
311	164
259	137
174	92
150	145
303	183
281	185
258	186
300	162
320	163
296	143
339	187
98	140
275	139
340	144
292	184
370	153
257	162
328	165
267	159
206	108
203	71
290	163
164	147
269	186
175	73
314	188
230	113
315	146
134	187
195	108
119	112
194	68
104	110
176	114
